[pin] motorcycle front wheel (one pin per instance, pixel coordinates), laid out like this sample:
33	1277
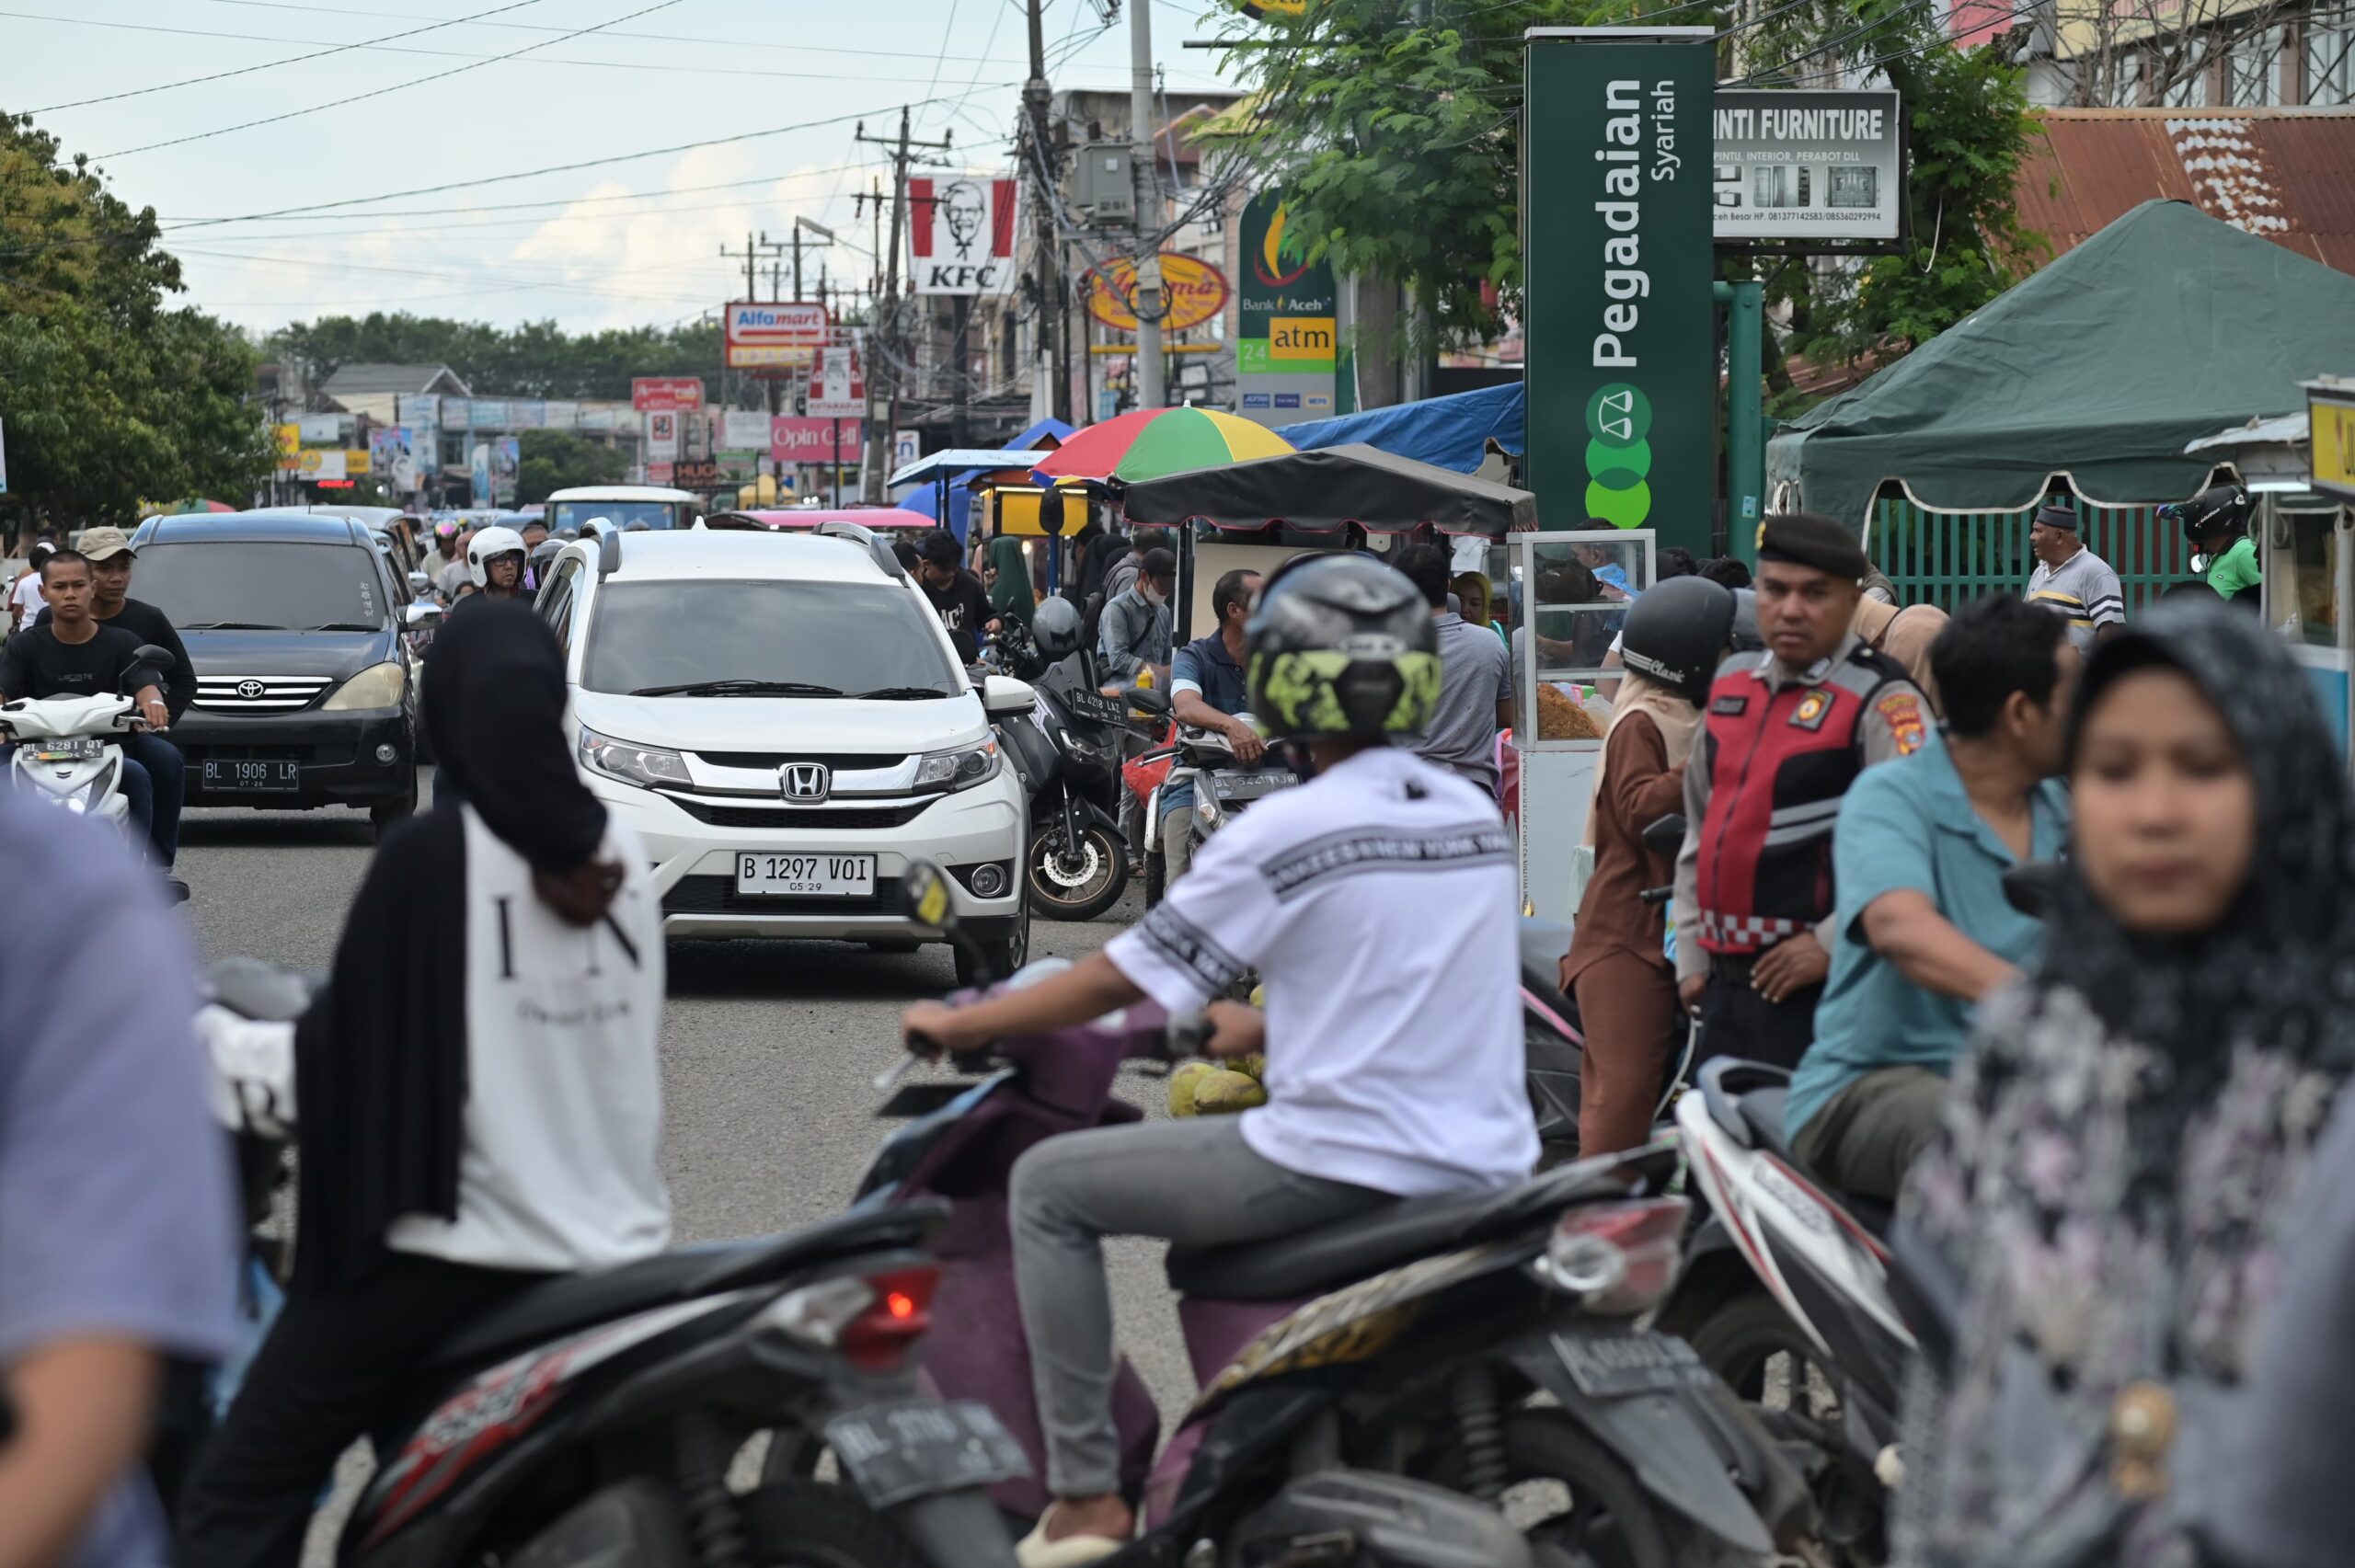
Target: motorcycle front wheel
1078	884
800	1524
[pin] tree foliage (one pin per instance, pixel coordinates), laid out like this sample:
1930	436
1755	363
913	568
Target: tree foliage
536	359
108	396
557	460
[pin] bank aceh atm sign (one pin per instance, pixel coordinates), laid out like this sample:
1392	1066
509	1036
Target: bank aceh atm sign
1622	362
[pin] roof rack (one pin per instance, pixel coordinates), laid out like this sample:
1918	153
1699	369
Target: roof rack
609	552
865	538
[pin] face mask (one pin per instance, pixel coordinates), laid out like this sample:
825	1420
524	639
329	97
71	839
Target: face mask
1152	595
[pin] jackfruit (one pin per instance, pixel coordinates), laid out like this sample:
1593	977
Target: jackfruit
1183	1083
1223	1093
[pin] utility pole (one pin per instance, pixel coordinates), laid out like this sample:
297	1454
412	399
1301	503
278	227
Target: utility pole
880	404
1151	392
1051	393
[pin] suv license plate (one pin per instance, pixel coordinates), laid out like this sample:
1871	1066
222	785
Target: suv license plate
1606	1364
270	774
805	875
893	1452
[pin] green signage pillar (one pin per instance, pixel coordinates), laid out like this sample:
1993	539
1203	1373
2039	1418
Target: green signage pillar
1615	170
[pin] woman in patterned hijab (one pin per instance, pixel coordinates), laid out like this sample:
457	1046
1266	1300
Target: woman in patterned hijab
2123	1138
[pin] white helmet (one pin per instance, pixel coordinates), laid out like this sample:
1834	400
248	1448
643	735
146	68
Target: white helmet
486	544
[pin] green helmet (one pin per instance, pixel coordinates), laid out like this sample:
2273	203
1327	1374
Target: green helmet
1341	645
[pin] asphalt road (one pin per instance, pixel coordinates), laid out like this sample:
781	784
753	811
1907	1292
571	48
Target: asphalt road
769	1050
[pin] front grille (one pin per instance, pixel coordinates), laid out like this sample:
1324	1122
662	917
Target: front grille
717	895
773	817
841	762
332	755
260	693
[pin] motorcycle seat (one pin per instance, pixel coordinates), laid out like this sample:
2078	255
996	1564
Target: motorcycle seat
569	1303
1762	1111
1308	1262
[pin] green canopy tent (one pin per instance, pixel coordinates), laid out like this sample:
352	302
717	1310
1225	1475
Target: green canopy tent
2165	327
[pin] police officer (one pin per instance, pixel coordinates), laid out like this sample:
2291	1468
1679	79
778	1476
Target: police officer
1783	736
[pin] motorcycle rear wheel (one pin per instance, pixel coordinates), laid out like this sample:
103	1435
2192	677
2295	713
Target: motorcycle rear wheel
1082	891
801	1524
1608	1522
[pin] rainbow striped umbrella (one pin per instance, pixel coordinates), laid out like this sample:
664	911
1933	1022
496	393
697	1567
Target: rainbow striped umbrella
1151	443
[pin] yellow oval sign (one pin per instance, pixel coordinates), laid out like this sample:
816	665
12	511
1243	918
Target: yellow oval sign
1192	291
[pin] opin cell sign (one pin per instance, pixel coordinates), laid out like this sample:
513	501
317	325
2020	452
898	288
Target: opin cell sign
1622	351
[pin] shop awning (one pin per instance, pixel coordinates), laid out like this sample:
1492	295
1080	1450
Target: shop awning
1325	490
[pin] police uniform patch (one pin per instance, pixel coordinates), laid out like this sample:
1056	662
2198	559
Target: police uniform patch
1903	712
1810	713
1727	706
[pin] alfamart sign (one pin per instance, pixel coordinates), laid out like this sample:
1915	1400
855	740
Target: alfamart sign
1621	371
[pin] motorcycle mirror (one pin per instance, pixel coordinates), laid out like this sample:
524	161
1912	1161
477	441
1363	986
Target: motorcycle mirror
923	897
1664	836
1151	699
419	583
2030	887
157	658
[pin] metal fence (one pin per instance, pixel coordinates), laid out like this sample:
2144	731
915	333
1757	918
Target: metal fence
1947	558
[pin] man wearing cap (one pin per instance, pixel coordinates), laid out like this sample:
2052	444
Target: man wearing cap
111	558
2072	580
1784	736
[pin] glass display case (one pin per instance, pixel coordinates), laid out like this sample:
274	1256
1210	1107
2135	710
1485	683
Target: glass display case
1570	594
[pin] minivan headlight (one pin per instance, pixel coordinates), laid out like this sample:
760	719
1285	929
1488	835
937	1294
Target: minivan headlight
378	686
960	769
646	766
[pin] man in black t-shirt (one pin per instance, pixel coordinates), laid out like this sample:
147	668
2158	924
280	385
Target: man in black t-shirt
112	556
71	654
957	596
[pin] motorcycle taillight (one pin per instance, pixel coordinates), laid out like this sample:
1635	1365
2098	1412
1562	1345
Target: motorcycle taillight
1619	1259
897	1316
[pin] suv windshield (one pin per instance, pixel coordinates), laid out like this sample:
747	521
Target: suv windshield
264	585
621	514
765	639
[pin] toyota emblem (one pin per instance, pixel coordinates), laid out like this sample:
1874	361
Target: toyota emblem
250	689
806	781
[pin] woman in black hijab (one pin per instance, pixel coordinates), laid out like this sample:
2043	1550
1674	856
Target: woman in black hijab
2124	1137
461	1136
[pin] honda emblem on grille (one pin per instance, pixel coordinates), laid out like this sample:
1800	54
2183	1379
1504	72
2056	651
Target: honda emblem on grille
806	781
250	689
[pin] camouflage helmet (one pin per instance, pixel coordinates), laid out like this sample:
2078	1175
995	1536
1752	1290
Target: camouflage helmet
1341	645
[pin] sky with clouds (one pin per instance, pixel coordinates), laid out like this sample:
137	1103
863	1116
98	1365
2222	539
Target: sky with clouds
280	178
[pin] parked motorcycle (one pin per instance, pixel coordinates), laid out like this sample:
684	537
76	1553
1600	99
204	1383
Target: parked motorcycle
1373	1389
69	750
593	1419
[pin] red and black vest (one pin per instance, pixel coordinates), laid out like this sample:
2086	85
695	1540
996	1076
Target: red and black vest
1779	762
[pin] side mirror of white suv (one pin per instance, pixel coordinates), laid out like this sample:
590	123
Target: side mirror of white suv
1003	696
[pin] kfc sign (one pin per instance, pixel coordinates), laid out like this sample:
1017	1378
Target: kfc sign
795	439
961	231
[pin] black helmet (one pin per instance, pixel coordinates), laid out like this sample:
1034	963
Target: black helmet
1055	627
545	551
1677	632
1341	645
2219	509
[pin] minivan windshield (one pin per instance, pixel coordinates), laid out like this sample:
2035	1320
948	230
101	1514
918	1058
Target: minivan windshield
621	514
263	585
697	638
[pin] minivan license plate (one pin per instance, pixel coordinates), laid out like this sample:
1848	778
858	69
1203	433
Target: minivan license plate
268	774
805	875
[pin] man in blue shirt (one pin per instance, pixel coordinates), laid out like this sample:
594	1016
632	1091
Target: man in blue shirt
1922	929
1206	690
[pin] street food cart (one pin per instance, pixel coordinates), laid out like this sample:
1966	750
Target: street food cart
1568	592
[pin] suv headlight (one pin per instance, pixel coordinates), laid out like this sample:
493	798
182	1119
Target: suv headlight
378	686
646	766
960	769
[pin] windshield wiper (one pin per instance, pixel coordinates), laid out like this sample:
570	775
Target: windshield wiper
739	689
345	626
233	626
902	694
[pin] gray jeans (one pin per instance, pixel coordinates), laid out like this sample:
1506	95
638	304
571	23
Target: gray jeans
1177	843
1866	1135
1196	1183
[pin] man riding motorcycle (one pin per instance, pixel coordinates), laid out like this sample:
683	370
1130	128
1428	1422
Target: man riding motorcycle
2216	522
461	1138
1377	902
1207	688
495	560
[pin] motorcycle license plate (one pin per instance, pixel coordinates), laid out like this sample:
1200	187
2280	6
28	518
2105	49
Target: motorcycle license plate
1251	786
1096	706
805	875
1609	1362
264	775
893	1452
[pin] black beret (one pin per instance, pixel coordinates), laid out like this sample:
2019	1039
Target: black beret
1810	539
2056	516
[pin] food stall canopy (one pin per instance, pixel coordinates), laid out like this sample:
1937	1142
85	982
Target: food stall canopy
2165	327
1448	432
943	472
955	464
1325	490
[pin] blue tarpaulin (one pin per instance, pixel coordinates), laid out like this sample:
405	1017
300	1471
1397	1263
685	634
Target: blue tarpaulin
1448	432
922	498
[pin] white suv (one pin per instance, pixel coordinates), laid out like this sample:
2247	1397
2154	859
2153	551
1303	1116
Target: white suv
785	724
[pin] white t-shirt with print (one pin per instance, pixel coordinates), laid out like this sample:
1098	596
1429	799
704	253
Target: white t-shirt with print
564	1103
1377	902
